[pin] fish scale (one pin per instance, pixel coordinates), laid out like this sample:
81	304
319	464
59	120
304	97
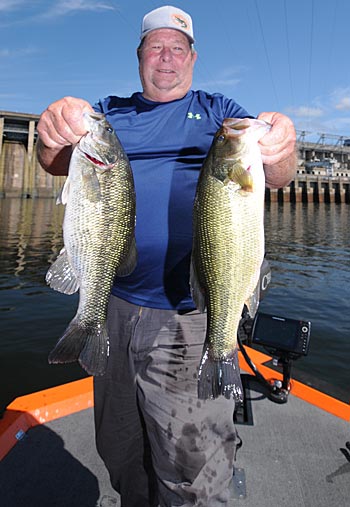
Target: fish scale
228	245
95	231
98	233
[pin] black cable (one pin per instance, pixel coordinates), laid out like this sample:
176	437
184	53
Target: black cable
275	393
252	365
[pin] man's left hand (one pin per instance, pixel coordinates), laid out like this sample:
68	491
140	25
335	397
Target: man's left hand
279	143
278	150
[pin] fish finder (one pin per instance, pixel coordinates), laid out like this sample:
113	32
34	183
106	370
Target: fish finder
285	339
282	334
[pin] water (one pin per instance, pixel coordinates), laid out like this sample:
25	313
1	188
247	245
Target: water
307	246
32	316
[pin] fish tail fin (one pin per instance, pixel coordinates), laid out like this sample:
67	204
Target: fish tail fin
218	378
69	346
88	345
208	380
94	355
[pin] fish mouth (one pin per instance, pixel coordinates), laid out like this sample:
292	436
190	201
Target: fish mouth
97	161
94	160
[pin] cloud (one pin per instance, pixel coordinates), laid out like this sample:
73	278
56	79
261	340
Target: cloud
338	124
340	99
41	10
225	78
9	95
67	7
333	125
10	5
343	104
306	112
217	83
13	53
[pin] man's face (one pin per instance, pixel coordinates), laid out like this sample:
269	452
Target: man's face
166	65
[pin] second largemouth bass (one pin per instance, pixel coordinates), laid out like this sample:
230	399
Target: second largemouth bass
228	245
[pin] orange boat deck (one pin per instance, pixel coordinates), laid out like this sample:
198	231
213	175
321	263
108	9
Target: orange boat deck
293	454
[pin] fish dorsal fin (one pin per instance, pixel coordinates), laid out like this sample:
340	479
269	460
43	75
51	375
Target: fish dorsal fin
61	276
196	291
129	263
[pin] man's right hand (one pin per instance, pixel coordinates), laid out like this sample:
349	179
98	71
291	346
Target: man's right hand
60	127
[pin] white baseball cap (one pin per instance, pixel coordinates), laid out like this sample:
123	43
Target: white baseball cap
168	17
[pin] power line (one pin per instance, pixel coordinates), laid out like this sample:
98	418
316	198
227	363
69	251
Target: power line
288	52
331	43
310	58
266	53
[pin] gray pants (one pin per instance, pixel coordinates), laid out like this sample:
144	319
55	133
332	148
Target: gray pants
161	445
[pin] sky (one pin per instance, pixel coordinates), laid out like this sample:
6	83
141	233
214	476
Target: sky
290	56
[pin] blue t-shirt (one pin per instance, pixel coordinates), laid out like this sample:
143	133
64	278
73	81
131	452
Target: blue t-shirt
166	143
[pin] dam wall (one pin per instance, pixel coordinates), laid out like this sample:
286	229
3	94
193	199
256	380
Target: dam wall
20	172
310	188
323	174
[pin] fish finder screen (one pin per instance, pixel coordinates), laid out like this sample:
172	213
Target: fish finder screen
277	332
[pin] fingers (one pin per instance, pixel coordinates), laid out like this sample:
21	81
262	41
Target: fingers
62	123
279	143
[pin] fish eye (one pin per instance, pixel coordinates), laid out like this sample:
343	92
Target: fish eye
109	129
220	138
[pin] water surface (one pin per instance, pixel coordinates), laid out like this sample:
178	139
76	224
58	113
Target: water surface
307	246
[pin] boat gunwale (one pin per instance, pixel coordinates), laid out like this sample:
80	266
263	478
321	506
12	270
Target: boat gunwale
28	411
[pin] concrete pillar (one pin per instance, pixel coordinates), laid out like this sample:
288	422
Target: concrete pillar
2	121
2	164
30	146
341	196
310	195
273	195
26	190
330	192
308	192
285	192
298	194
319	191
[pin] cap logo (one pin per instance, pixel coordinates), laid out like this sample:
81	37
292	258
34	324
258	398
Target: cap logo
179	20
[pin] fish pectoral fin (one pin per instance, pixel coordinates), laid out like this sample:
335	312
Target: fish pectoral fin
242	177
129	263
196	291
62	197
61	276
252	302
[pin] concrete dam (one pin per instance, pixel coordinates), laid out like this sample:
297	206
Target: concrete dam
323	173
20	173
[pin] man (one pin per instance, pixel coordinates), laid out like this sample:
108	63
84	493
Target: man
161	445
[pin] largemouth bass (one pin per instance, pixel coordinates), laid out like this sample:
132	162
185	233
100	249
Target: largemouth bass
228	246
98	233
